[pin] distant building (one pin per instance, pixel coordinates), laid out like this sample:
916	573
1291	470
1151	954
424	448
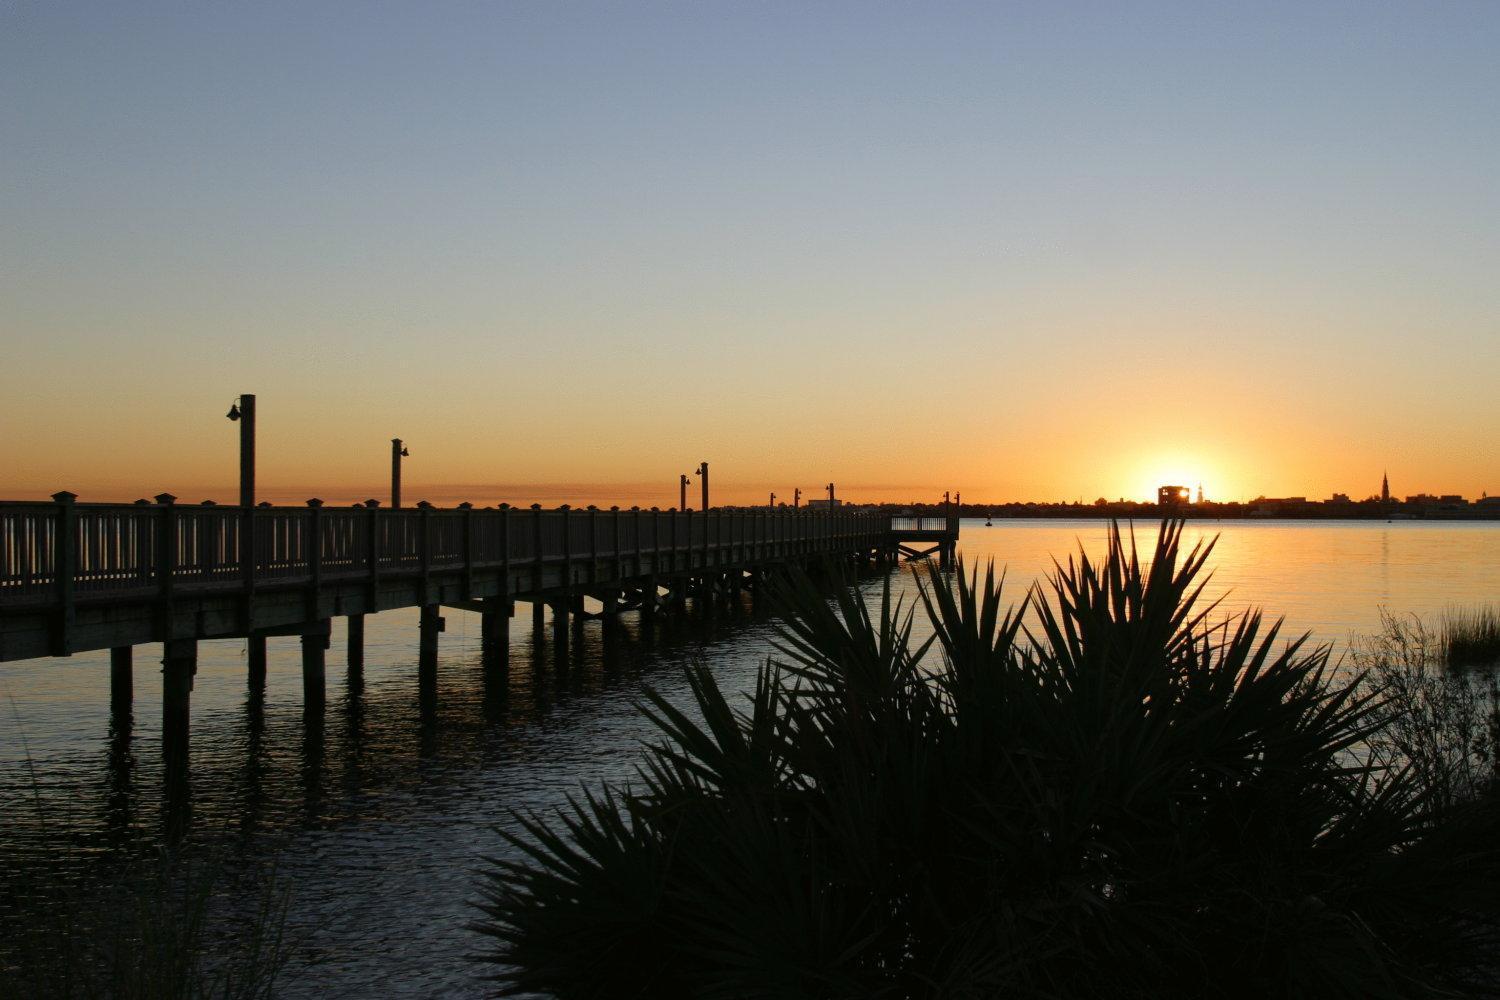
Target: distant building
1339	498
825	503
1172	496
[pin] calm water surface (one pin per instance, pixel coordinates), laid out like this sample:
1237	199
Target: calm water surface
378	819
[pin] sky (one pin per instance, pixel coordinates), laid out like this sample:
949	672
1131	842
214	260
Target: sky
1023	251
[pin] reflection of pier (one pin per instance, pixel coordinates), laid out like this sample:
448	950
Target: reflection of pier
77	577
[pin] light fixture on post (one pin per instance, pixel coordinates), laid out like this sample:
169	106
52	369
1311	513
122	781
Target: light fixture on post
242	411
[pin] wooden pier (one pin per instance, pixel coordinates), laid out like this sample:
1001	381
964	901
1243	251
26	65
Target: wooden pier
77	576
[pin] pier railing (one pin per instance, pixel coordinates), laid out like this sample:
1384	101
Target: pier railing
65	552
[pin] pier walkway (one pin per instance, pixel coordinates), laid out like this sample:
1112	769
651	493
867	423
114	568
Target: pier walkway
77	576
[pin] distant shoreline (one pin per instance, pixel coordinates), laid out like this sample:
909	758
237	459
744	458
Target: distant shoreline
1192	512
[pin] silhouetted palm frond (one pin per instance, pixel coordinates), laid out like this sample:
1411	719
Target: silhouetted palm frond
1100	793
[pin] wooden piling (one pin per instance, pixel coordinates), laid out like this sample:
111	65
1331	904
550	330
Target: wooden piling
356	644
429	625
121	676
494	640
255	651
314	671
178	665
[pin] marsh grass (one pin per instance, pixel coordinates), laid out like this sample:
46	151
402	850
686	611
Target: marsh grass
1470	636
1122	797
158	930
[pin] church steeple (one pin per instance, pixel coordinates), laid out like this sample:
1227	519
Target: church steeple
1385	488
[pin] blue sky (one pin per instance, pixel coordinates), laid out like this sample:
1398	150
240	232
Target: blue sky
1114	241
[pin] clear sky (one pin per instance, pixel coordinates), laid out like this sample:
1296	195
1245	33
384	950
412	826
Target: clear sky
1027	251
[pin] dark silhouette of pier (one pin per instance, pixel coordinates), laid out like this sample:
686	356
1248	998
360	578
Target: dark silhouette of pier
80	576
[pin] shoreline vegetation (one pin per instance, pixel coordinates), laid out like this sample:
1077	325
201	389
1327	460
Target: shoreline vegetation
1129	797
159	928
1125	795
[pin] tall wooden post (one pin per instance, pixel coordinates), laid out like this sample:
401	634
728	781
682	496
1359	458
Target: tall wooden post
65	570
538	619
247	450
703	474
396	452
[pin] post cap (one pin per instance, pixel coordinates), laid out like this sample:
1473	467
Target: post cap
505	506
166	499
209	503
143	503
372	504
657	509
264	503
592	507
564	507
536	506
63	496
315	502
636	507
466	506
424	505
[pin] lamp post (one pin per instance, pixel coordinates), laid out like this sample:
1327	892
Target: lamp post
773	499
682	485
830	494
703	472
398	452
796	497
243	411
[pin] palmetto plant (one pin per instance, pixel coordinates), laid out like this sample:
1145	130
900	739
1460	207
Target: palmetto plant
1110	796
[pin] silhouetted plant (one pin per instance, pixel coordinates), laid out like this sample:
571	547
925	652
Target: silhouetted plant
1120	799
1440	719
1471	637
150	936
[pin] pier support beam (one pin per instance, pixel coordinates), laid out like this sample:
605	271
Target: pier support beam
179	663
538	618
356	650
121	677
431	623
255	652
314	670
560	623
494	640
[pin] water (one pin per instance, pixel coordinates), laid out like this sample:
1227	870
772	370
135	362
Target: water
379	820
